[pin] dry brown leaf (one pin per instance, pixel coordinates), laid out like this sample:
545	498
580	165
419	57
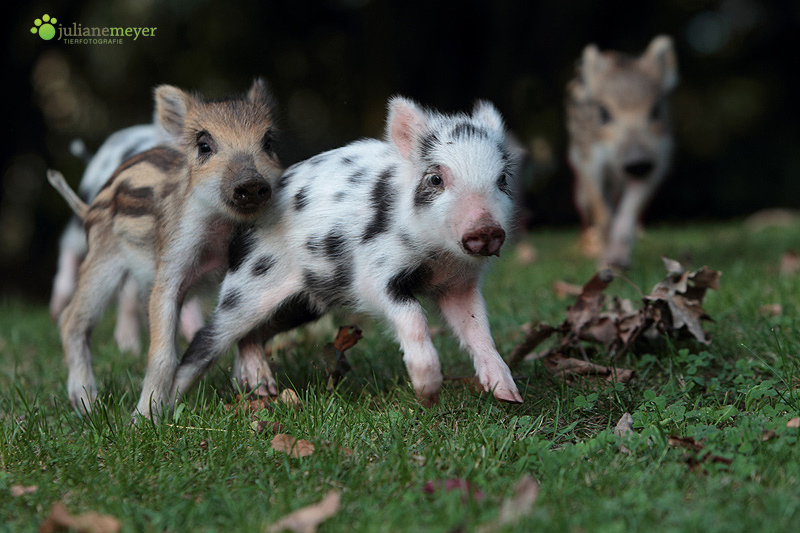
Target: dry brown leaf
468	490
347	337
265	426
590	302
679	297
290	398
525	253
307	519
569	367
294	447
518	506
624	425
60	519
770	310
533	337
790	263
685	442
19	490
624	428
793	423
473	383
250	404
564	288
674	306
336	363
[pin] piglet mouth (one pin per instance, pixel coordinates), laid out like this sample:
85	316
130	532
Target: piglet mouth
484	242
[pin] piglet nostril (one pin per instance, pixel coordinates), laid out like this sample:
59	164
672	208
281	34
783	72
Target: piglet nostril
484	241
639	169
251	193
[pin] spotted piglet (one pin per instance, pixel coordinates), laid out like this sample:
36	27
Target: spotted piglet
375	225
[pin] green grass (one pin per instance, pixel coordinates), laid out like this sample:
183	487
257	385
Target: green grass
205	469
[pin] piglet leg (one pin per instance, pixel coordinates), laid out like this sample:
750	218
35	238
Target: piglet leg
465	312
419	354
251	371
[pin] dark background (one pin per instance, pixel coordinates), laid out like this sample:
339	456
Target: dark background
333	64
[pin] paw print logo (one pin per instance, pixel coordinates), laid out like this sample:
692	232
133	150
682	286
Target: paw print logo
44	27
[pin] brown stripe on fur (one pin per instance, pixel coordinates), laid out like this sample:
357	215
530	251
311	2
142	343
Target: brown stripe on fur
133	201
169	188
163	158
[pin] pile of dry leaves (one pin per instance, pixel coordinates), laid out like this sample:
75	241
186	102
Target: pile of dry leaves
673	307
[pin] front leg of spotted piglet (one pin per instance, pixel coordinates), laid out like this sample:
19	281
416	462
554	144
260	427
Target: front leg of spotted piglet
419	354
465	312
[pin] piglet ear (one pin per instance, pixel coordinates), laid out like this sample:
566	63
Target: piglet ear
591	66
259	92
661	53
486	113
406	124
171	106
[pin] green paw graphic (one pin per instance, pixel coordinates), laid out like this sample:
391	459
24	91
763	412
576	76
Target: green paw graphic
44	27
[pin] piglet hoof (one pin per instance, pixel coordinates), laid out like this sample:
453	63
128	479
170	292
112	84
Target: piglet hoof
506	395
127	337
428	400
263	390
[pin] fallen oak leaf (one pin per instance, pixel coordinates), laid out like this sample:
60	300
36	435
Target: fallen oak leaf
20	490
790	263
533	338
290	398
250	405
347	337
624	428
264	426
694	446
518	506
564	288
468	490
336	363
472	383
60	519
793	423
566	367
285	443
682	300
587	307
685	442
308	518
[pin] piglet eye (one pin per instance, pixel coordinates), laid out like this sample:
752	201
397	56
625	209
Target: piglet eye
434	180
605	116
657	113
266	143
205	145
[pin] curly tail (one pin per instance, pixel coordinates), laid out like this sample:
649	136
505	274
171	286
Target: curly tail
74	201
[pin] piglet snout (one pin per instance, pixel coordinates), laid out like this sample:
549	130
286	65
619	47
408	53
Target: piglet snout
250	193
485	240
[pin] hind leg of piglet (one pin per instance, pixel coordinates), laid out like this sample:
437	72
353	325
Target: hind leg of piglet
191	317
126	331
251	371
465	312
98	281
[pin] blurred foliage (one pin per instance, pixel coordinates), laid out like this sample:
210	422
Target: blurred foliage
333	64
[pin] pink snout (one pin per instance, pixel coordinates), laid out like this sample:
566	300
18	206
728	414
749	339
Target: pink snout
485	240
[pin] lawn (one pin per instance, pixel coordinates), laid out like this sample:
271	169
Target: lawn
710	448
